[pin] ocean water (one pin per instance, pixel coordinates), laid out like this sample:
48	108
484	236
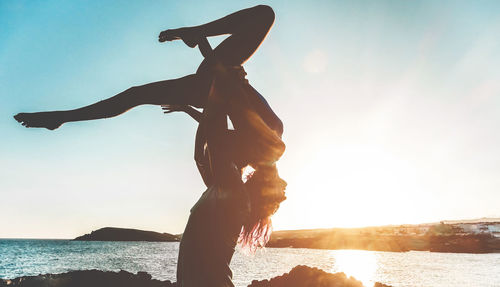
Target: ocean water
415	269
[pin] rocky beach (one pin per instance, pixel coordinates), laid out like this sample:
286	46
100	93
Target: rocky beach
299	276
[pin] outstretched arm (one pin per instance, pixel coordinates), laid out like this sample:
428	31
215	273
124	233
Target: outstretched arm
201	155
223	168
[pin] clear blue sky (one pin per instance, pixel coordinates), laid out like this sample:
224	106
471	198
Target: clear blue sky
391	112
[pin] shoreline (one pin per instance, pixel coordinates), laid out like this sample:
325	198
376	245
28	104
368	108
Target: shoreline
300	275
443	247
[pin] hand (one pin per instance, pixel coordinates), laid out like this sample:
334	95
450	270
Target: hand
167	109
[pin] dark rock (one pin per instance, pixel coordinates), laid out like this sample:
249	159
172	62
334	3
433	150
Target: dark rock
87	278
125	234
304	276
299	276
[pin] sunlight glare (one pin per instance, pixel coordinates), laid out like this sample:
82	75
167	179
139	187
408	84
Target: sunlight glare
359	185
247	171
359	264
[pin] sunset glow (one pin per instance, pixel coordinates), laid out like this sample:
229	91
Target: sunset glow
359	264
390	113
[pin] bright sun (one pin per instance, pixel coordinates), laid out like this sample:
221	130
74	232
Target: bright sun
359	264
352	186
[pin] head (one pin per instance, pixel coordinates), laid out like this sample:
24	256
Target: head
266	190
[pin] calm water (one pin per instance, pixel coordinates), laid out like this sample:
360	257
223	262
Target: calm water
32	257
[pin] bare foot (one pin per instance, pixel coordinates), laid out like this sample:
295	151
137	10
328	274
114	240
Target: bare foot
48	120
187	35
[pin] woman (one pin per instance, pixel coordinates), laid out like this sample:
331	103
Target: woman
247	29
228	204
230	211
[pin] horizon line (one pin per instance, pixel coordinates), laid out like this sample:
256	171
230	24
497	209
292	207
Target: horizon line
491	219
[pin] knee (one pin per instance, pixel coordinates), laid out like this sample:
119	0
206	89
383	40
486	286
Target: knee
265	14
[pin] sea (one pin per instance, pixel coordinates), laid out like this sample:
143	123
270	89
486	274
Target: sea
23	257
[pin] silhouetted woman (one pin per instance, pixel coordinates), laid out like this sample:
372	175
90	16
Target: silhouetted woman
229	205
230	210
247	29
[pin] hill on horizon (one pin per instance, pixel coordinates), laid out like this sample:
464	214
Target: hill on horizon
127	234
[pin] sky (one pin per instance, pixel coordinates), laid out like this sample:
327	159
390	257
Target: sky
391	112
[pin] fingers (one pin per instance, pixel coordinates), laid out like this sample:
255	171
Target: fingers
172	107
167	109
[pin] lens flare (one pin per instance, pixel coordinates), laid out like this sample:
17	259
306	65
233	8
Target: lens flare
359	264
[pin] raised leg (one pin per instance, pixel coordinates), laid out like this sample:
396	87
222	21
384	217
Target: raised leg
187	90
247	27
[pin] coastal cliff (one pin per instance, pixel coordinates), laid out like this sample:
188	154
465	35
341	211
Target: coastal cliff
433	237
124	234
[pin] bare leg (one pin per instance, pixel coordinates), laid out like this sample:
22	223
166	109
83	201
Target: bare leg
182	91
247	27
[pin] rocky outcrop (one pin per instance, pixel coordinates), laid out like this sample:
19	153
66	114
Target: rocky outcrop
87	278
299	276
302	276
124	234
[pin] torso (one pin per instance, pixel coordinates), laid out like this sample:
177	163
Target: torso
208	243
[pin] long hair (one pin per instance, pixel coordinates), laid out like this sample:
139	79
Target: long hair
266	190
262	147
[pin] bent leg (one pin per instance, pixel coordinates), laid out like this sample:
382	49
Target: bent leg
248	28
182	91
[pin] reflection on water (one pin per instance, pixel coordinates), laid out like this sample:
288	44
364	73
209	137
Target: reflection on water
400	269
356	263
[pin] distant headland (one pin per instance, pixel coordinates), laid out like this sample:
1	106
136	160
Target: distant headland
126	234
468	236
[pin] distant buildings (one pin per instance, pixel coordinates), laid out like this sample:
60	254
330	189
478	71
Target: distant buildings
444	228
492	228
